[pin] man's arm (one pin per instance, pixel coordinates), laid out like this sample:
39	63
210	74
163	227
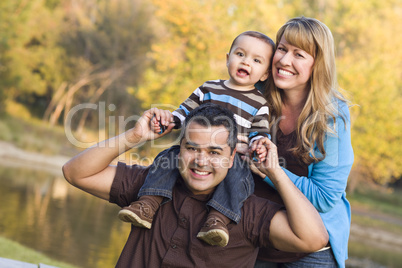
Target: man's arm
299	228
91	170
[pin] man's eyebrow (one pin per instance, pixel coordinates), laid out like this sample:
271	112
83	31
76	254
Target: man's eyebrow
215	148
192	144
209	147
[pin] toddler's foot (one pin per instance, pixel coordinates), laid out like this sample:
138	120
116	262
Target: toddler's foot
214	232
139	213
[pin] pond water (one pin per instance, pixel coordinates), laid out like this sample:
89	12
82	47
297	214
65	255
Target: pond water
40	210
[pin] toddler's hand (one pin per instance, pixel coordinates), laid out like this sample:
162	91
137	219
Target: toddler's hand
156	127
161	120
258	151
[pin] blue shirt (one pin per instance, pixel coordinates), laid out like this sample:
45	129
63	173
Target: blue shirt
326	184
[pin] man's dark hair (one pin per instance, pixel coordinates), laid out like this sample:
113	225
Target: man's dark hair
213	115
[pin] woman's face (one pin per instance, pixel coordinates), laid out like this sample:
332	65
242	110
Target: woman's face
291	67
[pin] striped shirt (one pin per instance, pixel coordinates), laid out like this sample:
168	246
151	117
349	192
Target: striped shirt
249	107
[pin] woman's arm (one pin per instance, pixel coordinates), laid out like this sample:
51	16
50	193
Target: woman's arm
300	228
328	178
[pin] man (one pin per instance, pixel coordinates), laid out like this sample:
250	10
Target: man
207	150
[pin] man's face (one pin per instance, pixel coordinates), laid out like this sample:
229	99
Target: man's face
205	157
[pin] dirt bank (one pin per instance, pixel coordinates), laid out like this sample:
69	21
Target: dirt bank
15	157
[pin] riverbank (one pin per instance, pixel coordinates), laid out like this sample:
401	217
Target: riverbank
10	155
12	250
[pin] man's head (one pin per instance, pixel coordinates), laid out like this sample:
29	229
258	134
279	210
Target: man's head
207	148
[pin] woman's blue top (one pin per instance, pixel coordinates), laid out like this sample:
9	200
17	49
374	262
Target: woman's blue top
326	184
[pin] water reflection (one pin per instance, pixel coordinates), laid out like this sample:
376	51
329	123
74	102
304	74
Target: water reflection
42	211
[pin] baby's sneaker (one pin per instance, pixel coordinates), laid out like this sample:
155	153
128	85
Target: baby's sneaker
139	213
214	232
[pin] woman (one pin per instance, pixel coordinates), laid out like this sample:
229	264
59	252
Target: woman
311	129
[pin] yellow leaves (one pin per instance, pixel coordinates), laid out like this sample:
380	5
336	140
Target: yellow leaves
197	34
369	67
18	110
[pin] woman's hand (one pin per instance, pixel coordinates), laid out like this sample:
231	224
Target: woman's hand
243	149
270	166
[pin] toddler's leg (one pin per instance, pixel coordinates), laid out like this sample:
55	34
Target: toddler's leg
158	185
228	199
215	231
141	213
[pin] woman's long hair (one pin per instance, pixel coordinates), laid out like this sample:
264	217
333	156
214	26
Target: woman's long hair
315	38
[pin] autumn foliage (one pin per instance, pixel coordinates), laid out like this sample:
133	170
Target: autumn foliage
137	53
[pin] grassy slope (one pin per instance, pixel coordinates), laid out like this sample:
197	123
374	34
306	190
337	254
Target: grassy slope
35	136
12	250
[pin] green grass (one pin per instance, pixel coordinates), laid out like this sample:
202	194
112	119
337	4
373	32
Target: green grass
13	250
385	201
384	257
35	135
377	224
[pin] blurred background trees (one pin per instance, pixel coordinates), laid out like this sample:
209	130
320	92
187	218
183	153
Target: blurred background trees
134	54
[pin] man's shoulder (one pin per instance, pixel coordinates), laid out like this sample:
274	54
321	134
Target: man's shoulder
257	214
259	209
255	203
255	200
127	182
134	168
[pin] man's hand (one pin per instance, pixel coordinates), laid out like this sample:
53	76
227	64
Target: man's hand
144	130
161	120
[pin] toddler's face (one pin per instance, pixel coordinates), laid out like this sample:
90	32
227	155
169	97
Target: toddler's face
248	62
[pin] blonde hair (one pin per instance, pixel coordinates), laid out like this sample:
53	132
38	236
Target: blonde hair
315	38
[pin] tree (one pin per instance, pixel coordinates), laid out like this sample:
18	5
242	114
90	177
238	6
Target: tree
197	34
194	37
370	49
136	53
